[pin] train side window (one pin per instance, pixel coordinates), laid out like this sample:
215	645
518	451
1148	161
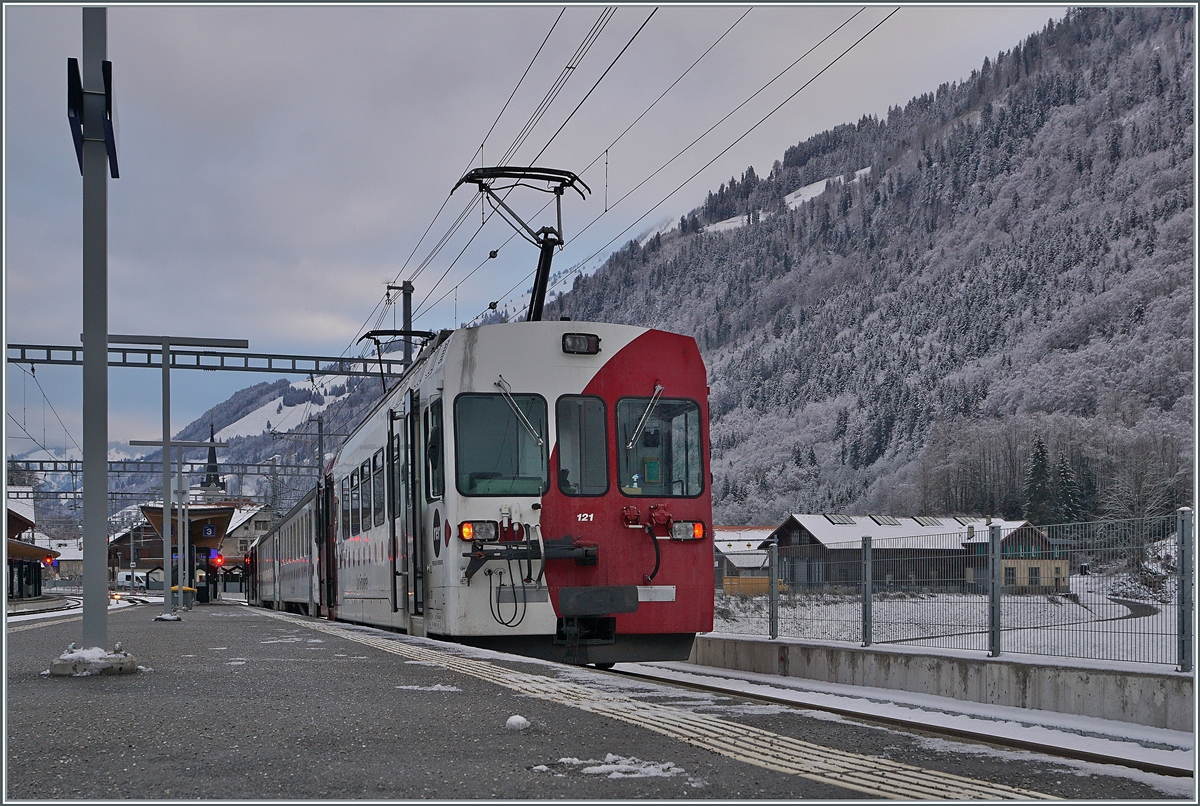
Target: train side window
435	471
665	457
364	475
497	452
582	445
345	504
354	502
378	482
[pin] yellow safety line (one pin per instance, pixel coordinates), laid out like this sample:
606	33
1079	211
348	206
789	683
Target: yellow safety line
873	776
48	622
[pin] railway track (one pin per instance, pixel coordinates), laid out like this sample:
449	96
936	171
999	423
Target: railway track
913	725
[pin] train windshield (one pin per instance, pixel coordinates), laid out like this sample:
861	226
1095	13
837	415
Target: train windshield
659	447
500	444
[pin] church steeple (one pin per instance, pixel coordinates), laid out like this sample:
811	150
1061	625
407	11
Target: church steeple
212	481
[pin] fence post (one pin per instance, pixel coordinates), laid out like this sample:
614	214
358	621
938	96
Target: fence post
773	589
1183	563
994	591
867	591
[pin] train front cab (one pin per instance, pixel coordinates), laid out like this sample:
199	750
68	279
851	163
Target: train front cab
615	499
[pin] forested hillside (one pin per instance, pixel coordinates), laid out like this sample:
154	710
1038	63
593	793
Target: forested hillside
1014	270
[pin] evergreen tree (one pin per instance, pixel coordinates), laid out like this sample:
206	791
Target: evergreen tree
1039	497
1066	491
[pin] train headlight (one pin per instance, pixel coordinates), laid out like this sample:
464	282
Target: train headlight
581	343
687	530
484	531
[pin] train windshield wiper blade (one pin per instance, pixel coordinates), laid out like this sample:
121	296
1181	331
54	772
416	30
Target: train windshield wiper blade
637	432
512	404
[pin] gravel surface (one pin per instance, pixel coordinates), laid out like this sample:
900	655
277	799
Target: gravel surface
235	704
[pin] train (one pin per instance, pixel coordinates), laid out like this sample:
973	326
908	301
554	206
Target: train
536	487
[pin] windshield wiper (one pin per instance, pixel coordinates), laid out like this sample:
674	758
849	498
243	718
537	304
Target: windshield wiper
637	432
512	404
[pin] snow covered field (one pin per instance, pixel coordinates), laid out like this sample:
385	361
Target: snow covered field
1105	618
273	414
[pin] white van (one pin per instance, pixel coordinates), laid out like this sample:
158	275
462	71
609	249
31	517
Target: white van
139	579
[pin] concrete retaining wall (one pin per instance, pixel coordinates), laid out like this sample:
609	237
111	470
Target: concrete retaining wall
1161	700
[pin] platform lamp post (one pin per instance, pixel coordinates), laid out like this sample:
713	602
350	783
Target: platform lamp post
166	342
90	115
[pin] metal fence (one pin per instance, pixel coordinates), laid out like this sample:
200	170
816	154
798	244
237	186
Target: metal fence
1109	590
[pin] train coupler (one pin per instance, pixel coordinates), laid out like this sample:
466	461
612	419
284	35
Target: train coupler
569	548
483	553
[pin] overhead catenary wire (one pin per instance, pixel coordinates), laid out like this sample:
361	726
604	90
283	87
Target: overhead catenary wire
422	311
580	52
382	305
593	89
576	59
741	137
539	154
726	117
492	128
46	399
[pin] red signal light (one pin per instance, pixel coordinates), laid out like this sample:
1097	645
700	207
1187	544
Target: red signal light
48	560
219	561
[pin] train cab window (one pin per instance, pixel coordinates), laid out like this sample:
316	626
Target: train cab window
664	458
364	476
435	471
354	502
582	445
378	482
497	450
345	505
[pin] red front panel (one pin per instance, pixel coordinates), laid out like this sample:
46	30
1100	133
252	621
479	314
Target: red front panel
626	555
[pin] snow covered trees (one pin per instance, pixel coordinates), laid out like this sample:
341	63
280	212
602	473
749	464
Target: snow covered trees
1017	264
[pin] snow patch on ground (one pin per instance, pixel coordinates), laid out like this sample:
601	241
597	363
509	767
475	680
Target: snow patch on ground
435	687
255	423
1171	786
614	766
812	191
517	722
793	200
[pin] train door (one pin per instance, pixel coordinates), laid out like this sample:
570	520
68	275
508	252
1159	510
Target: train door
329	518
434	483
397	509
413	500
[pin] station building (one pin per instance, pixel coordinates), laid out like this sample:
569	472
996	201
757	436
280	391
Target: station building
26	560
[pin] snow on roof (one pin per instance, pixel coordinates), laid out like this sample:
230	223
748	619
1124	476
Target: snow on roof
739	545
723	534
741	557
21	507
935	533
67	549
241	515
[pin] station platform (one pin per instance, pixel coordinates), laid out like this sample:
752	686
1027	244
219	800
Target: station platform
236	702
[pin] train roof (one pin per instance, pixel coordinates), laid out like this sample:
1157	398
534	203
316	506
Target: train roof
430	348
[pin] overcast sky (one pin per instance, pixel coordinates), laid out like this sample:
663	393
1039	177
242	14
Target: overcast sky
279	164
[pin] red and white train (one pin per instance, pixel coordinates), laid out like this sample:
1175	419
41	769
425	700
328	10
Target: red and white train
539	487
